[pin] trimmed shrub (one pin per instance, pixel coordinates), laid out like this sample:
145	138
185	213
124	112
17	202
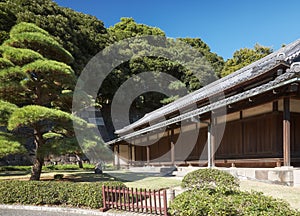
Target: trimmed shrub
87	195
203	202
214	192
212	179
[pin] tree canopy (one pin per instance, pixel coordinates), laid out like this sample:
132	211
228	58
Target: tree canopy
244	57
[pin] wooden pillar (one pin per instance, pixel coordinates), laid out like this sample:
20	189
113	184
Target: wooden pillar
118	156
148	155
286	132
148	149
172	146
129	154
211	142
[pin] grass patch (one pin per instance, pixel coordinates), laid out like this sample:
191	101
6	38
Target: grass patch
155	183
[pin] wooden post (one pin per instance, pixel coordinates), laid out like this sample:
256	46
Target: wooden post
118	156
211	143
286	133
148	155
172	147
104	208
165	203
129	155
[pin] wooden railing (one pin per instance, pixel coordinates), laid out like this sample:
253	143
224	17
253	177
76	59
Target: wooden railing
135	200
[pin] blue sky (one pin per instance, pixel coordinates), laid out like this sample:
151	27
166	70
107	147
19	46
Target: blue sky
225	25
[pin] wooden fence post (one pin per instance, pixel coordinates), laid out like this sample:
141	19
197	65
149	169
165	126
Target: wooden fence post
104	207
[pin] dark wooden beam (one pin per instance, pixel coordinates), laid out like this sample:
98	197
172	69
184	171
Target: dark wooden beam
286	132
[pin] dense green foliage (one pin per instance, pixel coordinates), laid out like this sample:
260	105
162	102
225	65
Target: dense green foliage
34	77
210	179
81	34
128	28
10	144
216	61
6	109
214	192
244	57
87	195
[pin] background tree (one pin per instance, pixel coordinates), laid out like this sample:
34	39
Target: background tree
128	28
216	61
244	57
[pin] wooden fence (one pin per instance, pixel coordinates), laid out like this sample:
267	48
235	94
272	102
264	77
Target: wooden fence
135	200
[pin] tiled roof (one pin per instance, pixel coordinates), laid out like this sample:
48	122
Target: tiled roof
286	54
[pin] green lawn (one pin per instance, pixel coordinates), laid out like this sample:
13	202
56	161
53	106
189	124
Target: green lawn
131	179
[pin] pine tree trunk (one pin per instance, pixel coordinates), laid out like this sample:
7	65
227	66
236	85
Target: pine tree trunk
36	169
79	161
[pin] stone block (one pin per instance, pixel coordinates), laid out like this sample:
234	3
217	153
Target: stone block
274	176
261	175
296	177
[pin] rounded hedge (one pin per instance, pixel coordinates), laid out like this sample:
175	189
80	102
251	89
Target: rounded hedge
203	202
210	179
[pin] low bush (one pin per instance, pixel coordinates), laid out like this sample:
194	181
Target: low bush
203	202
87	195
212	179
